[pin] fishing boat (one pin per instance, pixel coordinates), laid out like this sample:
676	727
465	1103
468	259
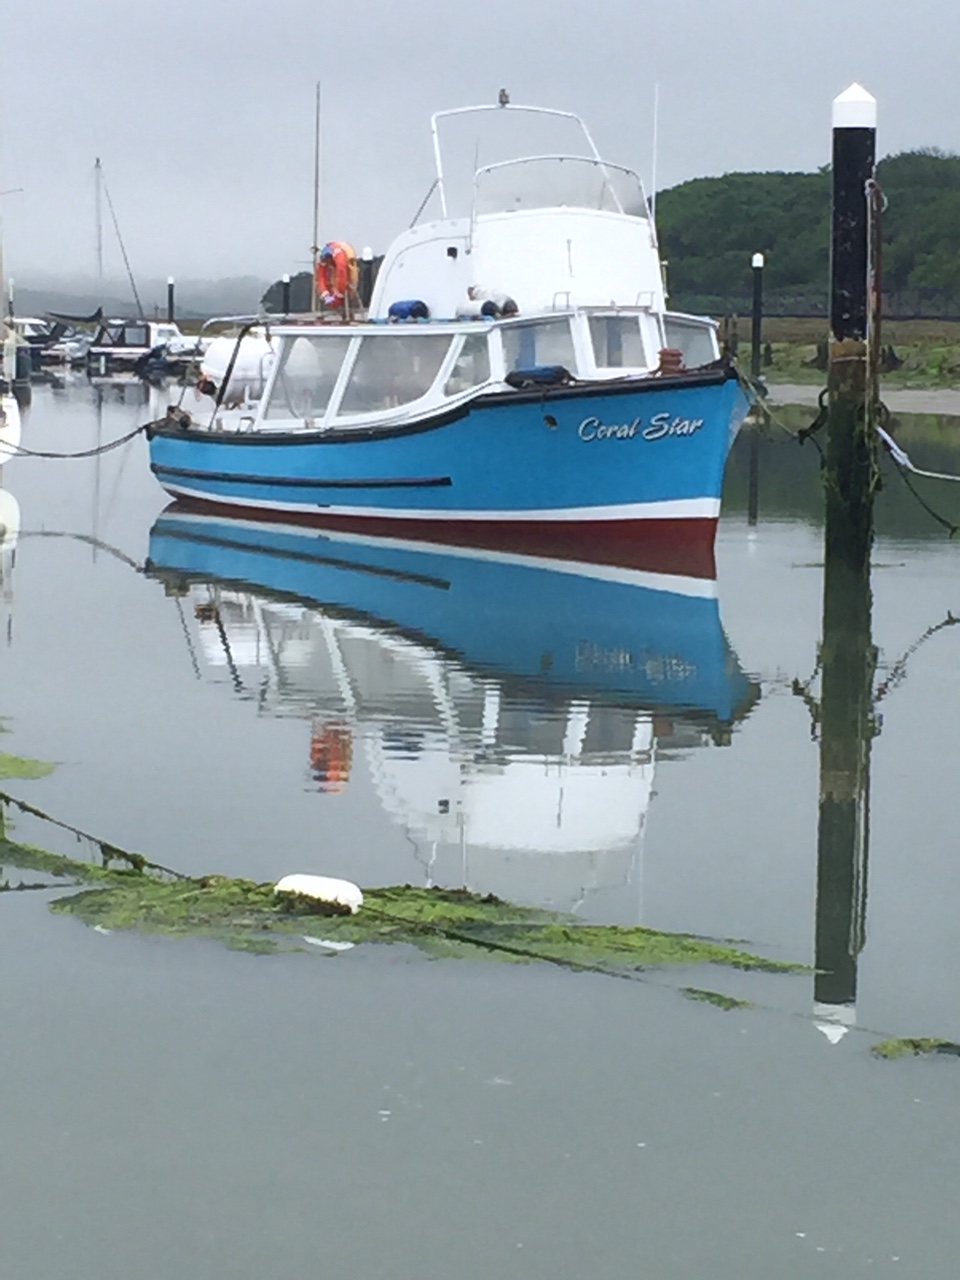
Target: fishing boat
517	379
509	711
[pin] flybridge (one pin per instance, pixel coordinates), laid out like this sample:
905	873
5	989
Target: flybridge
549	230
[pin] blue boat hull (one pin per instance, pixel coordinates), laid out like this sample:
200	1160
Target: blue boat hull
609	467
635	639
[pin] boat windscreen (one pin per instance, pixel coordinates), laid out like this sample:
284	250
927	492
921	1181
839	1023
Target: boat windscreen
393	369
306	376
542	342
617	342
697	339
547	182
471	367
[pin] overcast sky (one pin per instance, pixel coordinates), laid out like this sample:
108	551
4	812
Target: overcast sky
202	110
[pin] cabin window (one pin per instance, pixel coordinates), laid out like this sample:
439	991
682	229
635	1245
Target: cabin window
471	367
527	730
697	340
548	342
610	733
136	335
306	376
617	342
392	370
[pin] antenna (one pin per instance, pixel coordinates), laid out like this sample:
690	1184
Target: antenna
315	247
653	161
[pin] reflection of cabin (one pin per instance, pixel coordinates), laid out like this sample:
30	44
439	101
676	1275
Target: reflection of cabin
536	794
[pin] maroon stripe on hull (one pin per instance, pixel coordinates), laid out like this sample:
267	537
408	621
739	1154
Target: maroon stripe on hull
679	546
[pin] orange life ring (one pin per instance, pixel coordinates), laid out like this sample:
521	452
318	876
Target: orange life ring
337	273
331	755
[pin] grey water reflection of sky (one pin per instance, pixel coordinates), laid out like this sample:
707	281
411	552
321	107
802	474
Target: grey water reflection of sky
202	110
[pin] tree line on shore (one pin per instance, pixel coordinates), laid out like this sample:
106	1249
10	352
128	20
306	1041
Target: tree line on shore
710	227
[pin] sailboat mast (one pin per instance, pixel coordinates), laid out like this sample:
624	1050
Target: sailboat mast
315	251
98	214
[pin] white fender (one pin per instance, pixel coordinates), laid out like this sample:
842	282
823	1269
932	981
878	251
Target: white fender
339	893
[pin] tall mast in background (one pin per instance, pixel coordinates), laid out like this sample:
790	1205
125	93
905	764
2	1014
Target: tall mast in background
315	248
98	216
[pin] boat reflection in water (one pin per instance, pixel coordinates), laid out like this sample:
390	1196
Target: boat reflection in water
510	710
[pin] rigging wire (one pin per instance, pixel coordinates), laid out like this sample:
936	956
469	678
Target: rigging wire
123	247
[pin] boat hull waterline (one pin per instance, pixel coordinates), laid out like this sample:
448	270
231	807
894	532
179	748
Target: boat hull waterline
642	460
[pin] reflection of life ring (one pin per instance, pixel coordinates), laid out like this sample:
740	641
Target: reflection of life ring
331	755
337	273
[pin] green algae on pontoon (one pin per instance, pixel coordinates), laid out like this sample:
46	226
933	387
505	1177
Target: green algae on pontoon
727	1003
135	896
438	921
26	857
900	1048
23	767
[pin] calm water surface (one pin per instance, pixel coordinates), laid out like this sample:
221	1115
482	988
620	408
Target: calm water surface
257	704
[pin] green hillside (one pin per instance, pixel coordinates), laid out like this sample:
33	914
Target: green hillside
710	227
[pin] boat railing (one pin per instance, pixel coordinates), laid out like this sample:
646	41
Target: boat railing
502	108
557	181
424	202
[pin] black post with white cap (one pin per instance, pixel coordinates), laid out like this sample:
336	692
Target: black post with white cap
756	325
850	458
848	658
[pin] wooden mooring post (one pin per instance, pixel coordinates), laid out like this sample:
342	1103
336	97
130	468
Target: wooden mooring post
847	655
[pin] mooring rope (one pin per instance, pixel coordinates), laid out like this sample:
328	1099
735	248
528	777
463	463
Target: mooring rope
88	539
757	393
899	669
109	852
20	452
902	459
950	527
